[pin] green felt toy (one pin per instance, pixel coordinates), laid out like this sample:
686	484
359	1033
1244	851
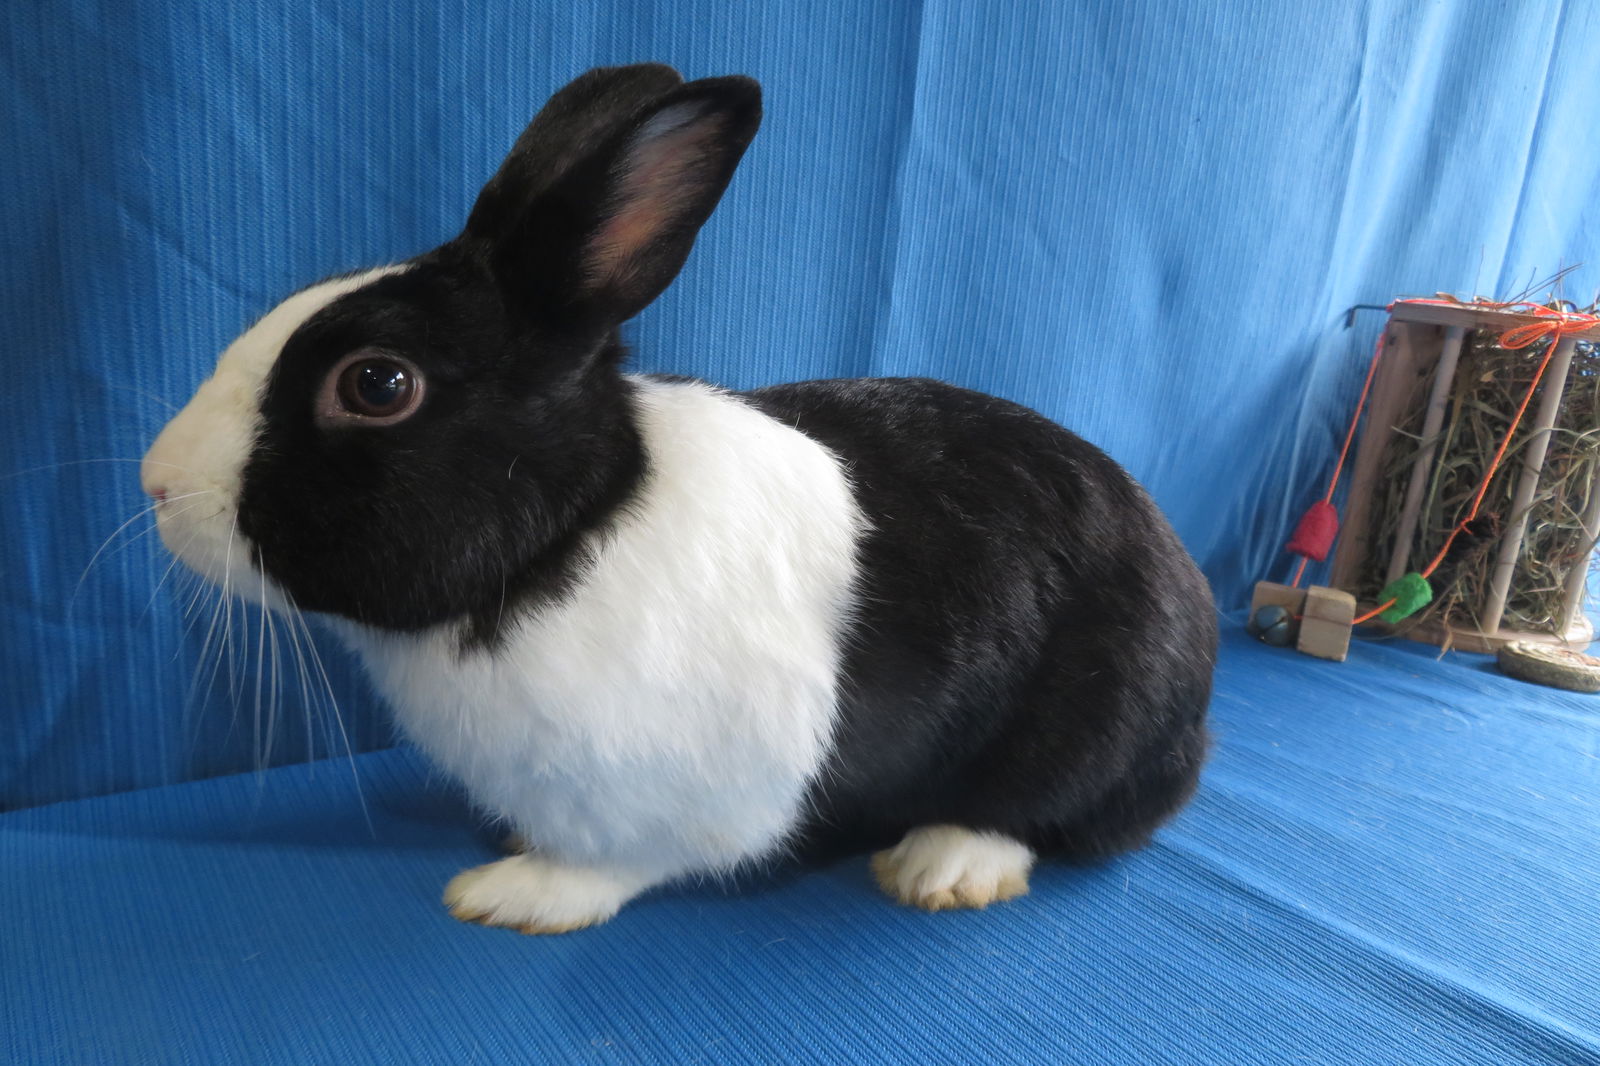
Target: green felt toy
1410	594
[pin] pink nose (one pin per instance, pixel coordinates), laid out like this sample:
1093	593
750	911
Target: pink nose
159	495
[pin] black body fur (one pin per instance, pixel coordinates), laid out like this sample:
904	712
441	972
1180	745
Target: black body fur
1032	649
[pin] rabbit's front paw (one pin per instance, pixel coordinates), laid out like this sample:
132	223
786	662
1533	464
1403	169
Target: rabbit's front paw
535	895
938	867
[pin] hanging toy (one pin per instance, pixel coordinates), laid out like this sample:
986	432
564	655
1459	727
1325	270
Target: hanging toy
1405	598
1316	620
1323	618
1313	537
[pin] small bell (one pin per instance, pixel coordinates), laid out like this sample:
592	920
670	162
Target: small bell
1273	624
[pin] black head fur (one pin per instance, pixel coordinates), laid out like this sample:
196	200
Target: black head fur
525	442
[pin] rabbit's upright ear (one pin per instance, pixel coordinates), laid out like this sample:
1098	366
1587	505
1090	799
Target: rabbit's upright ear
576	122
612	230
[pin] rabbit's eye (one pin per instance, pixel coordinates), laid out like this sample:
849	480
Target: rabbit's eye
378	388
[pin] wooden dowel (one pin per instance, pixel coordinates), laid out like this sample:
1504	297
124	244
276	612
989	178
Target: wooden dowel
1390	390
1555	383
1572	595
1443	377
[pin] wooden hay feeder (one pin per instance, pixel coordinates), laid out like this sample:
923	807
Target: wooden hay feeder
1444	395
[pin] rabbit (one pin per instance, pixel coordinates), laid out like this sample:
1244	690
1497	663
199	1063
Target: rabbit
662	629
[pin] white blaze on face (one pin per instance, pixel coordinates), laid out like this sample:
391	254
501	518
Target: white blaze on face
195	468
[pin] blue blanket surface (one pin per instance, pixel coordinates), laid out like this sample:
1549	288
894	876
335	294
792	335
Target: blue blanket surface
1392	860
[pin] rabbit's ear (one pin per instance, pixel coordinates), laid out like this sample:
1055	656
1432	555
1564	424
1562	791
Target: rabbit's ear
613	230
576	122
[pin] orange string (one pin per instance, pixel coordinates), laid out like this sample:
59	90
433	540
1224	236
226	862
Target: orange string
1370	615
1555	326
1350	435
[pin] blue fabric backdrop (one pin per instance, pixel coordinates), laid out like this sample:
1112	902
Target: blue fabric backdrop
1143	218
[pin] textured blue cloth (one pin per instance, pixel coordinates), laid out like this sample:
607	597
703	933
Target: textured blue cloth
1143	218
1392	860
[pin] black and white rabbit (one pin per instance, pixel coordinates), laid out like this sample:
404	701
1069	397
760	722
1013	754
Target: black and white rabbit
665	629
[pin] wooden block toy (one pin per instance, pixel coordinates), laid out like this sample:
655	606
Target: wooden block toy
1272	594
1325	623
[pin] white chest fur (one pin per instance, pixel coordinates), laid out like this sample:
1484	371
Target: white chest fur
669	713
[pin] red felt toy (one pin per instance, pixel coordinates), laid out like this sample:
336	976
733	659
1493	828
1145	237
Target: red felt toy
1313	537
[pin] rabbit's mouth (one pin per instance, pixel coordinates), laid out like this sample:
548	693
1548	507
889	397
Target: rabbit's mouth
200	527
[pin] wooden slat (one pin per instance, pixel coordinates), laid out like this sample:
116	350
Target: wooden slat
1471	317
1391	388
1577	636
1533	453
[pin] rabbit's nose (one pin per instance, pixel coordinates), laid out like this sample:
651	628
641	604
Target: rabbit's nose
154	487
155	477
